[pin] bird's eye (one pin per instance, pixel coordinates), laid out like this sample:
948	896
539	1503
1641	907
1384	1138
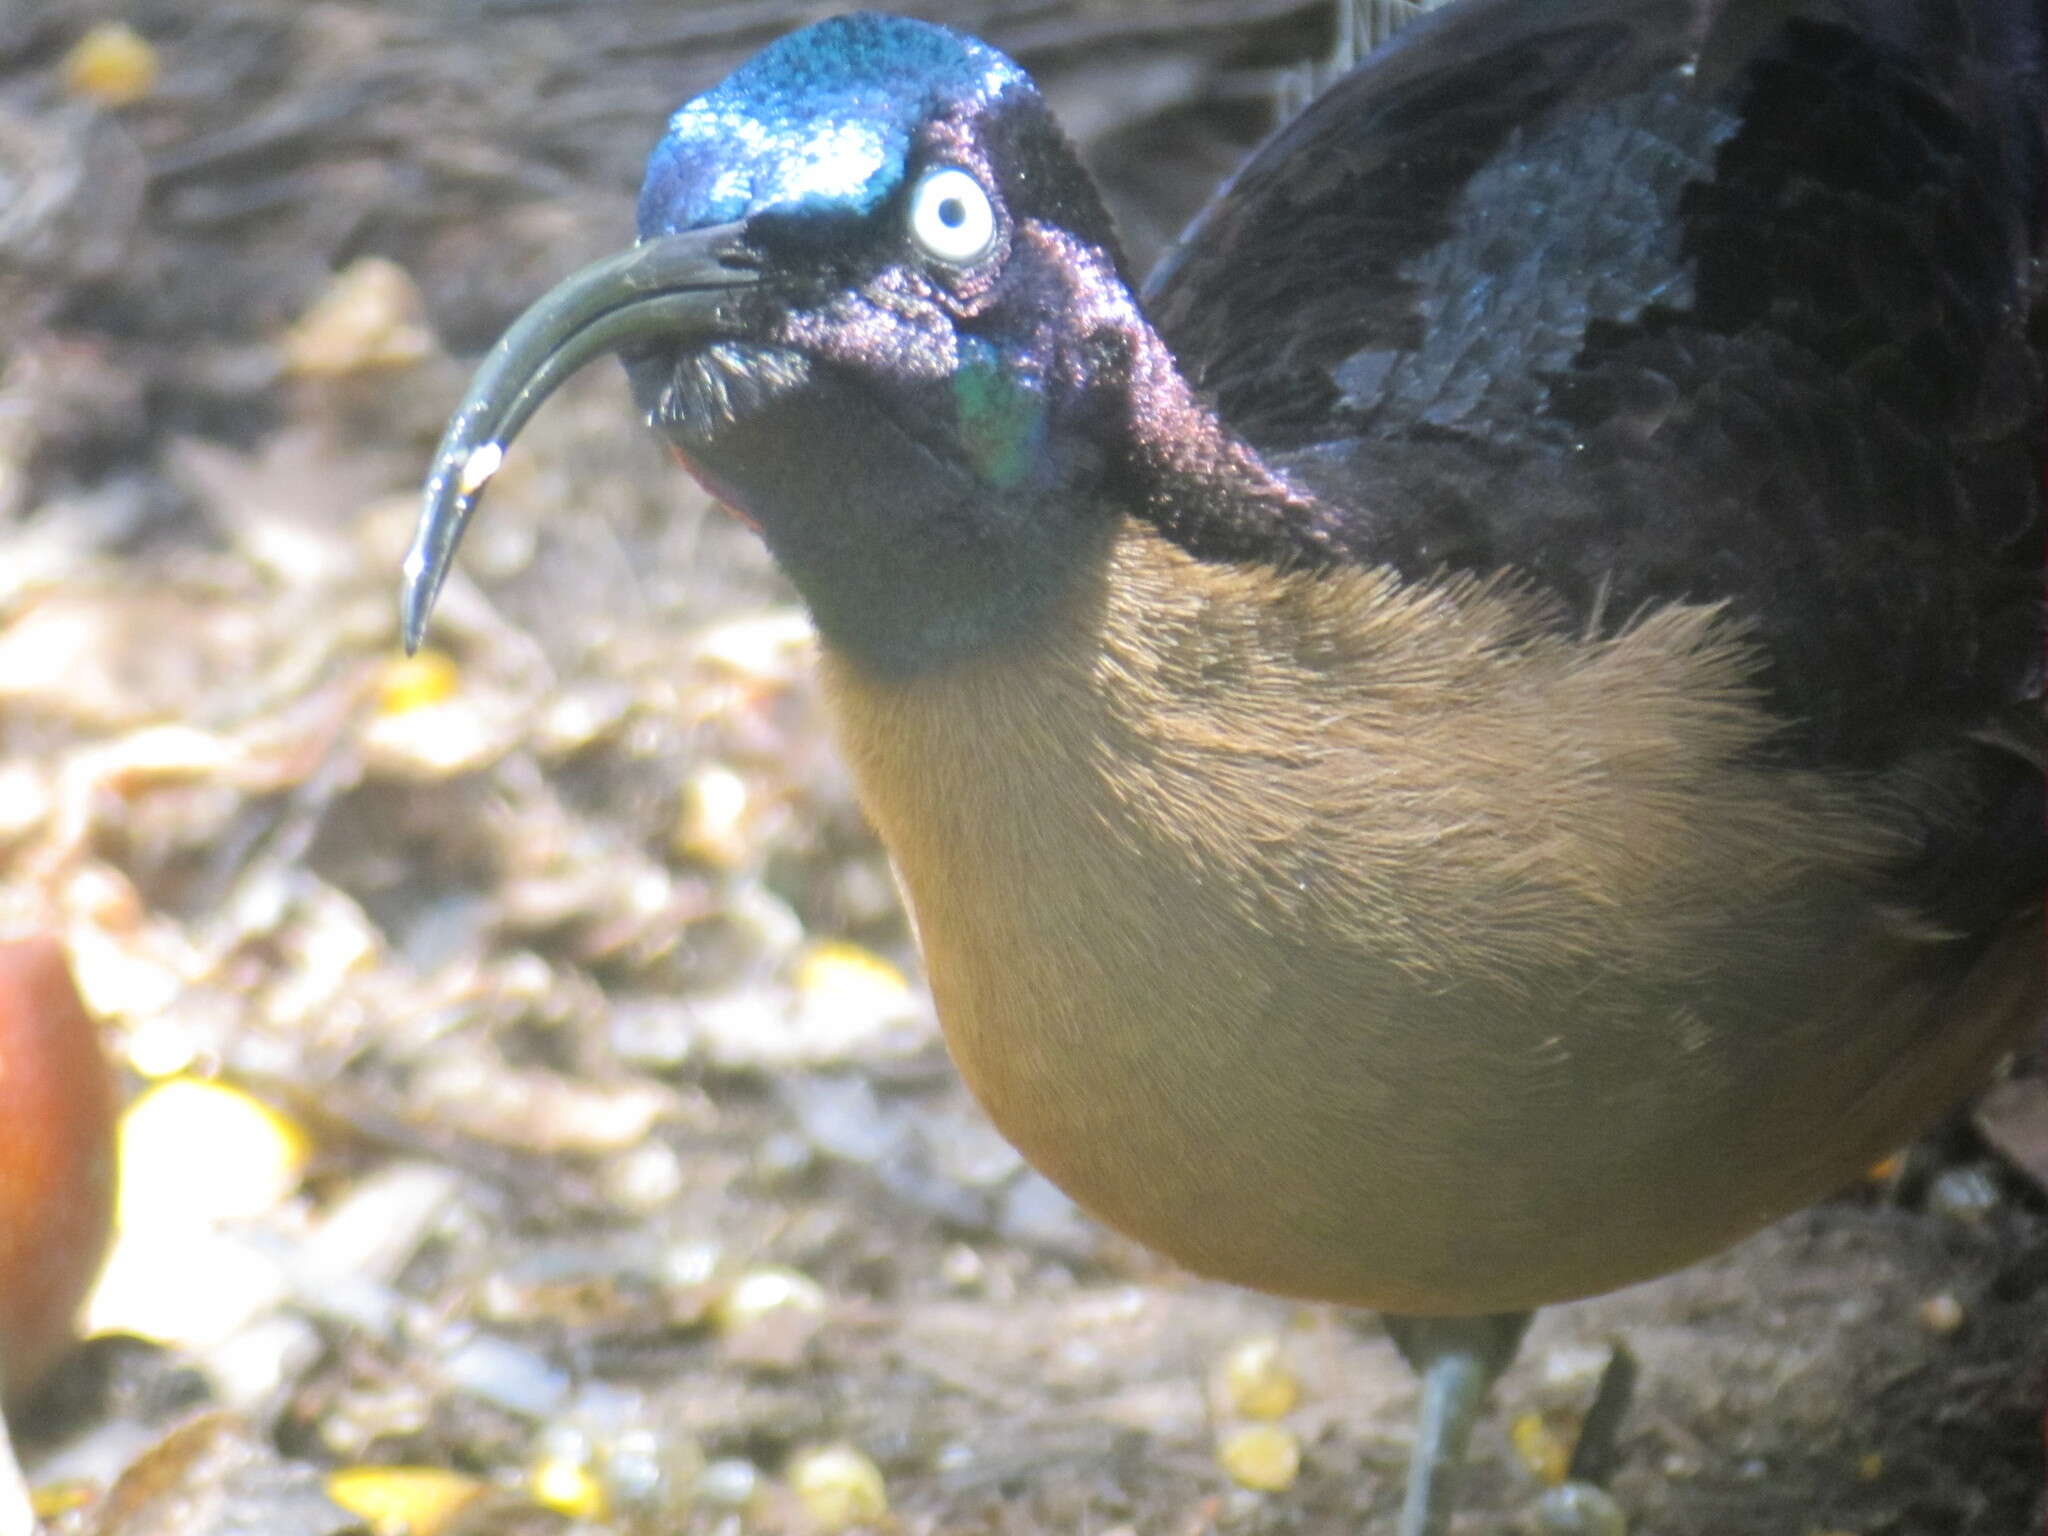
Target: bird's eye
951	217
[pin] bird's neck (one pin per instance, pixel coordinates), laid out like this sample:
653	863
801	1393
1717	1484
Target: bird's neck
914	563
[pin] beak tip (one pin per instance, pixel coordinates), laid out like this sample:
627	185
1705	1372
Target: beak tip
418	587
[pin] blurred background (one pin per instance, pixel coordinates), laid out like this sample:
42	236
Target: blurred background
535	1119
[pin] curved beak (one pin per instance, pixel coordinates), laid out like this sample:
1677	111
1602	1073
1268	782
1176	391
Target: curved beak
674	285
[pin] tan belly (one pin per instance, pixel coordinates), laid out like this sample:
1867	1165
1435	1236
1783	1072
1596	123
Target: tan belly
1375	955
1422	1154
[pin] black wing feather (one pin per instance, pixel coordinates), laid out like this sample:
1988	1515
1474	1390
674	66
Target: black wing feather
1650	300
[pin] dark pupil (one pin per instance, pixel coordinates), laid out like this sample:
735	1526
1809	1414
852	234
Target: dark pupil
952	213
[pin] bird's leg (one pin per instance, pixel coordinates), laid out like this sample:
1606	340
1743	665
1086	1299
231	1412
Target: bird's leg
1457	1359
1594	1456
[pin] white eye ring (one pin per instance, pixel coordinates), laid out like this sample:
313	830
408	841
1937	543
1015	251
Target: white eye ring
951	217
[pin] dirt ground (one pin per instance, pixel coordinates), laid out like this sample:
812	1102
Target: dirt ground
621	1164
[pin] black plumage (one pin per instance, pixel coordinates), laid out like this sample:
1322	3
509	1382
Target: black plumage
1532	291
1557	308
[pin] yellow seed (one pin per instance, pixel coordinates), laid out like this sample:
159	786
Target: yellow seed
1257	1380
1870	1467
112	65
568	1487
760	1292
839	1487
369	318
1941	1314
847	971
1263	1457
713	825
962	1268
403	1501
1544	1446
414	682
52	1501
194	1151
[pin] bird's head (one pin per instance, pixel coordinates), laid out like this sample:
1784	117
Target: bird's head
877	306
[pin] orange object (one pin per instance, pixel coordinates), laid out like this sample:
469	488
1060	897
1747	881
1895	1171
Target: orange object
56	1158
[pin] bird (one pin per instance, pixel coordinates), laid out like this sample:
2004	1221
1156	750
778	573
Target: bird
1475	738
